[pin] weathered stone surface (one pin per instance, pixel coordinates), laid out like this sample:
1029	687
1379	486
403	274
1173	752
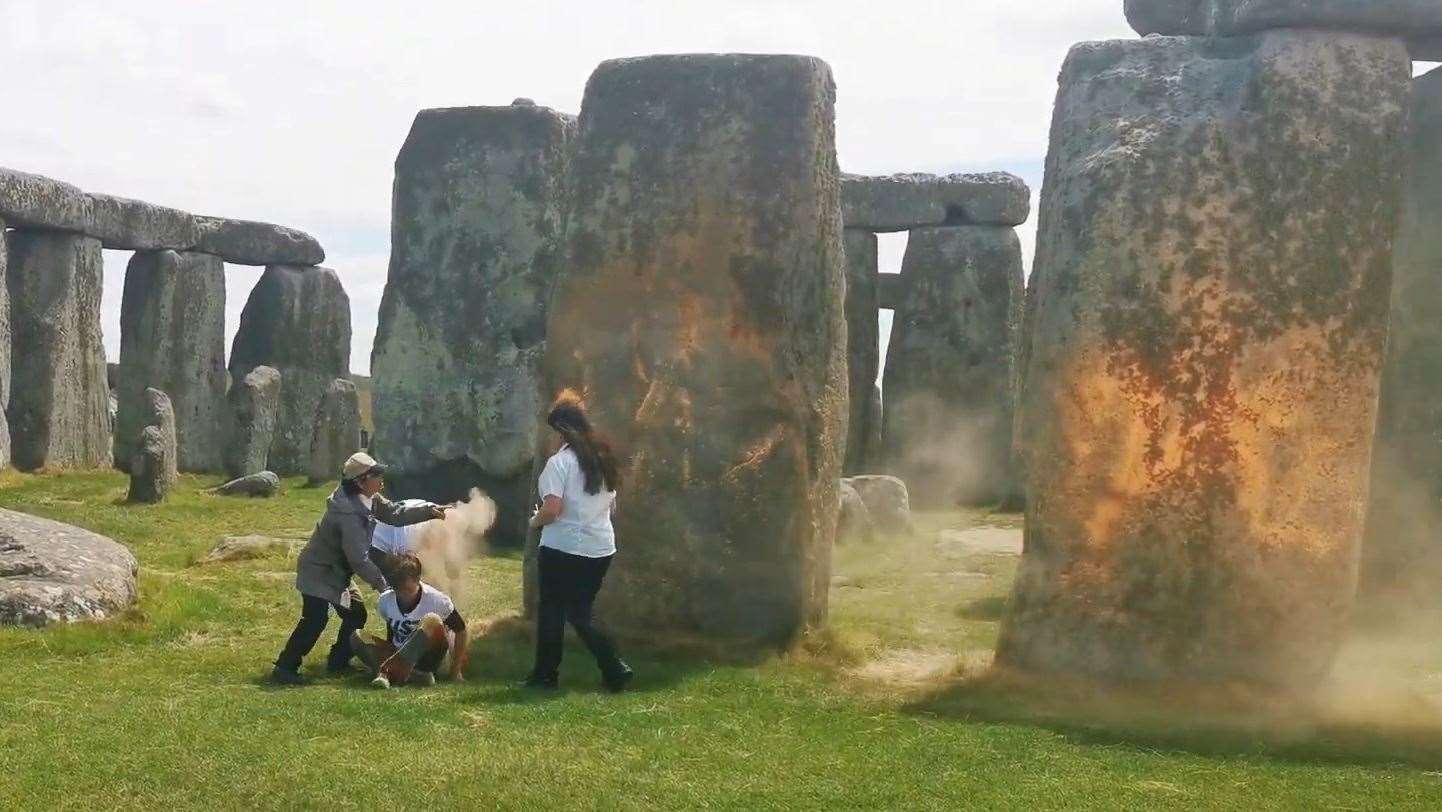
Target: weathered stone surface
35	201
700	309
4	353
907	201
246	242
172	337
476	219
1402	552
873	451
297	320
244	548
1206	335
59	411
890	290
949	385
1417	20
152	462
134	225
263	484
863	343
337	431
55	573
253	406
887	501
853	520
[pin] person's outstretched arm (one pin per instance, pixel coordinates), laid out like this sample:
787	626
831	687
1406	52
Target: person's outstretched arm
399	516
459	645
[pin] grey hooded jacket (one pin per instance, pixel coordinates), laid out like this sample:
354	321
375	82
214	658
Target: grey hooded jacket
337	548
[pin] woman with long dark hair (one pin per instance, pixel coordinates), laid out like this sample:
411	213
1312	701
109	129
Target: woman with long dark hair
578	490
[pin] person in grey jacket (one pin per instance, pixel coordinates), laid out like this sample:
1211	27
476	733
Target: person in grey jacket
337	550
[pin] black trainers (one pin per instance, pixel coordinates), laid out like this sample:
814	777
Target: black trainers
617	680
285	676
541	683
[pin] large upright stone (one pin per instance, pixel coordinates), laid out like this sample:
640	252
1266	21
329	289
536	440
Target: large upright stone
59	402
152	465
863	344
296	320
172	337
1207	329
252	407
700	309
477	215
949	387
4	354
1402	554
337	431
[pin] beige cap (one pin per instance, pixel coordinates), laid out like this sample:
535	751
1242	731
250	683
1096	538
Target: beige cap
359	463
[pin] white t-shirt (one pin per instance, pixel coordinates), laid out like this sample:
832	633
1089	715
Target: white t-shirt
584	526
402	625
396	540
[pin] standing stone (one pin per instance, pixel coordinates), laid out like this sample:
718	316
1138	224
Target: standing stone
59	401
254	405
152	465
296	320
477	212
337	431
1207	331
1402	554
701	312
4	354
949	386
863	343
172	337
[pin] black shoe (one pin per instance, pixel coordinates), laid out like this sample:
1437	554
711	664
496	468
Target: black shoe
534	682
285	676
617	680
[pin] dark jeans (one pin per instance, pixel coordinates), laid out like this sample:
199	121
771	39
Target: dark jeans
314	614
569	584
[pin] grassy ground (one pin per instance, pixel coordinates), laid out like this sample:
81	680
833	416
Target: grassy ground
167	706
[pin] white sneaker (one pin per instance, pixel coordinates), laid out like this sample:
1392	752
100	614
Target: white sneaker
381	682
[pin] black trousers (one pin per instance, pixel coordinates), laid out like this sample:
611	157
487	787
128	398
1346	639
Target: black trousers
314	614
569	584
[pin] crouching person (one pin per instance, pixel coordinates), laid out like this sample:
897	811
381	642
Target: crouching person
337	550
422	628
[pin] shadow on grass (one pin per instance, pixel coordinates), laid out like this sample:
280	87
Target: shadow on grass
502	653
1402	730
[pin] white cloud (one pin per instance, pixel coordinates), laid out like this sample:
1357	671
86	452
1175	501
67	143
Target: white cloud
293	112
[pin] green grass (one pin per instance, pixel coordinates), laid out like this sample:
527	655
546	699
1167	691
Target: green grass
166	707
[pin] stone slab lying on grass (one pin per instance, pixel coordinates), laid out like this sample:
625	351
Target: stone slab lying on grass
853	520
55	573
886	500
263	484
242	548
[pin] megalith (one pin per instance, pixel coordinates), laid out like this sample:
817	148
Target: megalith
59	402
1206	335
863	343
172	337
337	431
296	320
253	406
1402	553
475	224
4	353
57	573
152	465
947	425
1418	20
700	312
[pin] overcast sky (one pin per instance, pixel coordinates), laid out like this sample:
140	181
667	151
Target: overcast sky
293	112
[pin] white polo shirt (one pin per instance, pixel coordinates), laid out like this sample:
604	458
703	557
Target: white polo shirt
584	526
